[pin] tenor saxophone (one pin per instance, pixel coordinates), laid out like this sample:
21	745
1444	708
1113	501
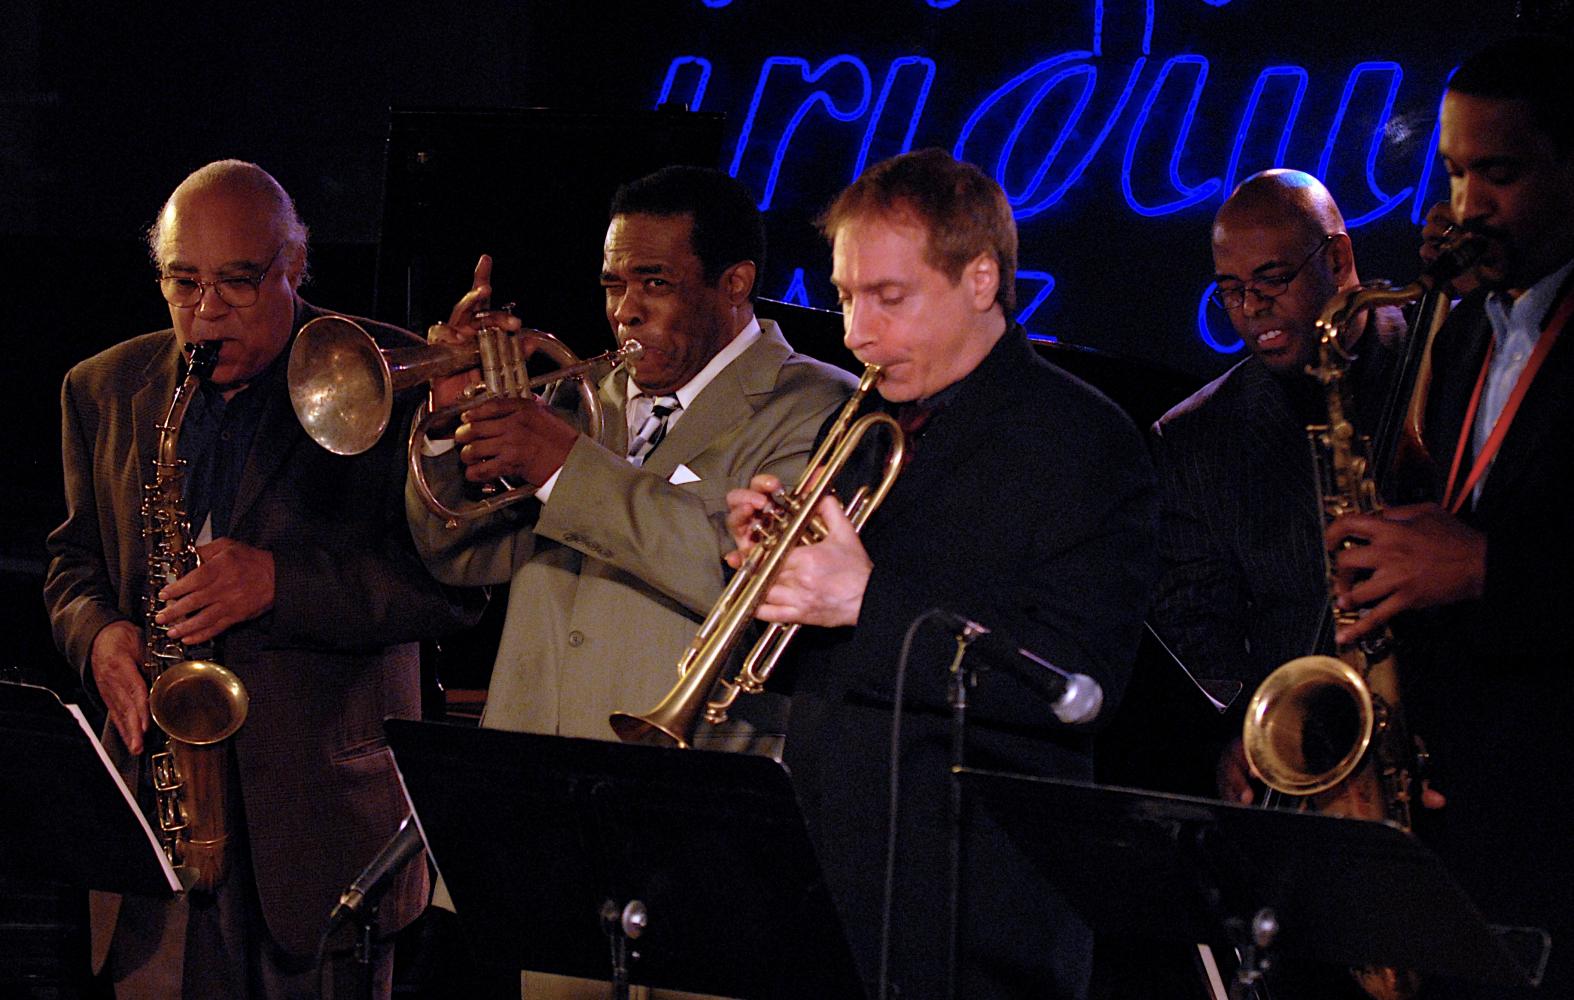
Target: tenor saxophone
1331	729
196	704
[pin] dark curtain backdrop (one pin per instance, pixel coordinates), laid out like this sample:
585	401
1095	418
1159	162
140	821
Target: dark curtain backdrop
1128	108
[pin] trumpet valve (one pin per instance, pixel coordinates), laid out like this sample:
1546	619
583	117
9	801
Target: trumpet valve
768	520
723	695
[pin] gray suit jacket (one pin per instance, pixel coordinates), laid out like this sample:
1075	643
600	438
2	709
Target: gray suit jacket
612	576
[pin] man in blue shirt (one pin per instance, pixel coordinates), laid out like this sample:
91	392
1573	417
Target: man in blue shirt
1481	581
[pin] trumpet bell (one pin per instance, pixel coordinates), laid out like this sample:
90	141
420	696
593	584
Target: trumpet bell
340	385
1308	725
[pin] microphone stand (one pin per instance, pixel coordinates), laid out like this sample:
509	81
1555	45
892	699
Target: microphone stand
961	678
356	982
359	904
365	947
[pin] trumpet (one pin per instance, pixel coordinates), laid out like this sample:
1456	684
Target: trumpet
342	386
789	523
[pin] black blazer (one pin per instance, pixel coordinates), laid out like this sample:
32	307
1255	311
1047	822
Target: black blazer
1029	506
1489	684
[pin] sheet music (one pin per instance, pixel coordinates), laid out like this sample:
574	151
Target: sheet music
153	841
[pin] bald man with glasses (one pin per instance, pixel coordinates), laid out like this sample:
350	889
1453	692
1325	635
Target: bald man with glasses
309	589
1240	521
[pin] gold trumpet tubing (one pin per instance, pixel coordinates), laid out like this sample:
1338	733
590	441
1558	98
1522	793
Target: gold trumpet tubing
786	504
768	649
485	390
674	720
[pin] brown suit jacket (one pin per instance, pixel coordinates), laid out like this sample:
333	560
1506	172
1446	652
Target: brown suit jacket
335	656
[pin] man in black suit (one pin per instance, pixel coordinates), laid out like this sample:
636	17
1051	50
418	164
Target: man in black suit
1481	582
1240	523
1028	505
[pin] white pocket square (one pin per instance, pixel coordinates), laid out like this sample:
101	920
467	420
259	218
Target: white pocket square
682	474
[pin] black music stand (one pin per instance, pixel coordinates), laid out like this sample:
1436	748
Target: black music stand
1171	867
553	847
69	817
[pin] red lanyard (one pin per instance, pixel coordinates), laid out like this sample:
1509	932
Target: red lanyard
1549	336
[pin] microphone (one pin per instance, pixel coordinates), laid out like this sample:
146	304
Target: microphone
373	881
1074	698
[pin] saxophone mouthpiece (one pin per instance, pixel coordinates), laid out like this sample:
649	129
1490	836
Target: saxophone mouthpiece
1458	256
202	357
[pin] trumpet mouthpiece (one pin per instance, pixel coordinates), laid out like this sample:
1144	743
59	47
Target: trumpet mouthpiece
632	350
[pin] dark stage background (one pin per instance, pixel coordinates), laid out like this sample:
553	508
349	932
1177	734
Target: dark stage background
1117	127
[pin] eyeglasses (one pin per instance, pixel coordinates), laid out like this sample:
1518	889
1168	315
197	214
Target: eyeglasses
1266	287
236	291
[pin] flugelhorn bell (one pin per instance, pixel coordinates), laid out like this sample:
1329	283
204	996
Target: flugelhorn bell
342	385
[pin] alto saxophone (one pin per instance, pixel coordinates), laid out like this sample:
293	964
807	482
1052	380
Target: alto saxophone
196	703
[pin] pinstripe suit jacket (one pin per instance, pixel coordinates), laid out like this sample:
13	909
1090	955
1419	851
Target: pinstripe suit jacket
1239	529
335	656
1240	520
611	577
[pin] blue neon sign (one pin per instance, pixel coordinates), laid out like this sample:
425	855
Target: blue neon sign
1097	142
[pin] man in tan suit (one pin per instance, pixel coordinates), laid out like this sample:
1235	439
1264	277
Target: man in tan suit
615	564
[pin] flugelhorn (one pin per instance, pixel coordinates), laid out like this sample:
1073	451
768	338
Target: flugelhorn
342	386
790	522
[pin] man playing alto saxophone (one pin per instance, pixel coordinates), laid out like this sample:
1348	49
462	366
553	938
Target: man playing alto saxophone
1027	505
309	585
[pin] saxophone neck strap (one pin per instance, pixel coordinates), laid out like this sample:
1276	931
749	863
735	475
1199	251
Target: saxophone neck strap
1454	499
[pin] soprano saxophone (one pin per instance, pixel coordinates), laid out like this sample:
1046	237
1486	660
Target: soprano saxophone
196	703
